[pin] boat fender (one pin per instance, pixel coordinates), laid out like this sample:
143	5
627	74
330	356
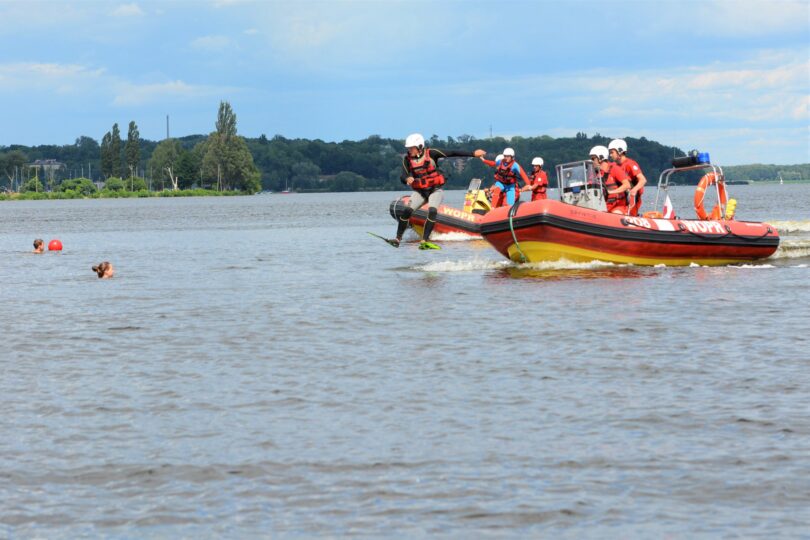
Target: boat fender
731	207
708	180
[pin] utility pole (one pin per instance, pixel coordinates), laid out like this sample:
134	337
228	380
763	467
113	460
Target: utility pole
167	126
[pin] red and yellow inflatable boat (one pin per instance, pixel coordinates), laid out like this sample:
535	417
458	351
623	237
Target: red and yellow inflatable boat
577	228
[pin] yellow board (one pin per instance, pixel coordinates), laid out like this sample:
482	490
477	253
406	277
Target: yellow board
548	251
480	202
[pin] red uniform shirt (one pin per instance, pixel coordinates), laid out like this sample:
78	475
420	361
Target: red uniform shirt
632	170
539	183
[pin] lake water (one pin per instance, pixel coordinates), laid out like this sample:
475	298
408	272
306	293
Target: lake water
260	366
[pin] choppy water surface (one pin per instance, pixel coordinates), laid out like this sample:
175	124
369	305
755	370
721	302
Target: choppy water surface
260	366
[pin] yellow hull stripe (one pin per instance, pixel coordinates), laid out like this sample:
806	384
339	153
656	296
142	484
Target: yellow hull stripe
549	251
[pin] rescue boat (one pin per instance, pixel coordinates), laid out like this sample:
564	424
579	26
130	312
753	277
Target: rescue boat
449	219
578	228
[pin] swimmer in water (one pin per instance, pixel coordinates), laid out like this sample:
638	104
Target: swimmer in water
104	270
39	245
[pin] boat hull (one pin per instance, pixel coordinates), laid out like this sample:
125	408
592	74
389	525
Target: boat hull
448	219
550	230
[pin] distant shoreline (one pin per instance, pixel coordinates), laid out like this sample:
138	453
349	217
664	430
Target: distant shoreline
143	194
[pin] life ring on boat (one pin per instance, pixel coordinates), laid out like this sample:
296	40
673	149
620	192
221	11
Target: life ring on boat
652	215
710	179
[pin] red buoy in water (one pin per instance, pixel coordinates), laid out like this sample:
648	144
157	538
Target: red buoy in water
54	245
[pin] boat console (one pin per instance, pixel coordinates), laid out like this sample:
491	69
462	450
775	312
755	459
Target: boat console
580	186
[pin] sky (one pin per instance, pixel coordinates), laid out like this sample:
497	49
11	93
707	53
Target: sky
728	77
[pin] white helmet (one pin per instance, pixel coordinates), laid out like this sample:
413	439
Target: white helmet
508	152
499	157
599	151
415	139
619	145
538	161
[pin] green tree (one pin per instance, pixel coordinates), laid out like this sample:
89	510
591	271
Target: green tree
115	151
188	170
132	150
106	155
305	175
165	160
11	163
82	186
33	184
136	183
114	184
347	181
227	161
226	121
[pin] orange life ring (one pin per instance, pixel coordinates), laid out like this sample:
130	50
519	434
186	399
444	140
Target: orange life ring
717	212
652	215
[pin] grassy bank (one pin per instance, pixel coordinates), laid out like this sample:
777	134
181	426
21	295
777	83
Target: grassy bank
105	194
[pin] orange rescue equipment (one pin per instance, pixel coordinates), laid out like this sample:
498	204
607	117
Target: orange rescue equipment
717	213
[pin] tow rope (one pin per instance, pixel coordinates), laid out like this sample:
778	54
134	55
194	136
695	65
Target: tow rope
512	212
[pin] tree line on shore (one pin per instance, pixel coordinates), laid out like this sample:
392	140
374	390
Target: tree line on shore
223	161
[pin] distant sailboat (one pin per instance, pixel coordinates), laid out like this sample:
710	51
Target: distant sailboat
286	189
780	179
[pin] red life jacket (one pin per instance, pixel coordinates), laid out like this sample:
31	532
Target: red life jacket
612	181
627	166
424	171
504	174
540	178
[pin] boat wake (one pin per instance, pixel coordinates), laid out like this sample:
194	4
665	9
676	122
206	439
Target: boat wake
791	227
473	265
477	265
792	250
453	237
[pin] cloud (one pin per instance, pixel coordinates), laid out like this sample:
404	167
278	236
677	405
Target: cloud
61	78
746	92
325	36
127	10
749	17
139	94
212	43
80	81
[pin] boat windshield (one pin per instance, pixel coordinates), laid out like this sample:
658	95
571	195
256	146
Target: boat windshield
580	186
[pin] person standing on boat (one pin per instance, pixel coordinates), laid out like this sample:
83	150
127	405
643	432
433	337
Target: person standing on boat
614	180
618	153
421	173
538	181
507	171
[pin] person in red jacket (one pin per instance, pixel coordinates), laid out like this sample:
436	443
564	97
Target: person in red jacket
618	153
614	180
538	181
421	173
507	172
